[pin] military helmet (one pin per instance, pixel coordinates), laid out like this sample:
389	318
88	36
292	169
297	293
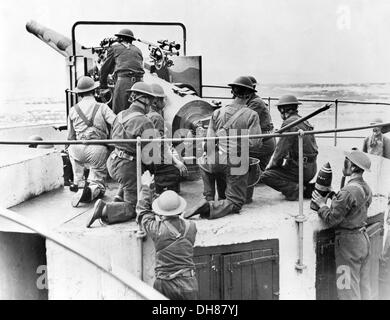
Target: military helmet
288	100
158	90
125	33
141	87
254	81
169	203
359	159
86	84
244	82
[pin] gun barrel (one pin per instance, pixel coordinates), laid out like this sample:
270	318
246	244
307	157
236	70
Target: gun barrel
310	115
52	38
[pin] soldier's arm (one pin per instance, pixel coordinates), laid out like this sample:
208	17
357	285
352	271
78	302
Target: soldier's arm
71	131
107	68
340	206
145	215
108	114
283	146
254	128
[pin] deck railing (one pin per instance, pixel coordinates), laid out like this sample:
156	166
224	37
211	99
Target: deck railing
300	218
336	102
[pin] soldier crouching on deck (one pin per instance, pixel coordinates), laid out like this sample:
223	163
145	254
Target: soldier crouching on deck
122	166
88	120
282	173
231	120
173	238
348	215
167	174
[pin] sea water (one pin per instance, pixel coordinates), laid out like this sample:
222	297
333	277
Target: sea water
15	112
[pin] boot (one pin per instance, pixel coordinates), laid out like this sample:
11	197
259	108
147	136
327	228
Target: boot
97	212
83	195
203	209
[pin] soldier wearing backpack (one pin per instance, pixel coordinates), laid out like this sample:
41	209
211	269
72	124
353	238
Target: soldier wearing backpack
88	120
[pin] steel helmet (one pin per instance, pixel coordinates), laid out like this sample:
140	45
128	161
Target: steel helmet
35	137
244	82
359	159
169	203
254	81
86	84
288	99
158	90
126	33
142	87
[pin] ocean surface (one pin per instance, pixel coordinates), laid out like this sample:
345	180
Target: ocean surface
16	112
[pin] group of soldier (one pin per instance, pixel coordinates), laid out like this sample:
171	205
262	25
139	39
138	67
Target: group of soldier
137	108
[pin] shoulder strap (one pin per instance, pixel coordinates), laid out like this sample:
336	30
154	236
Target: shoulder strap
95	109
358	186
172	229
233	118
131	115
82	115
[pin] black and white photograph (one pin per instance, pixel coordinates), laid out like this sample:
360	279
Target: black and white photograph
209	151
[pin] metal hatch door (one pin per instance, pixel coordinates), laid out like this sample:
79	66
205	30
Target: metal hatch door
250	275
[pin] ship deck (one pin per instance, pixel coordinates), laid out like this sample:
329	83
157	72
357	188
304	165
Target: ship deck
54	211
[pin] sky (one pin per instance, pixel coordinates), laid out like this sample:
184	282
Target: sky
278	41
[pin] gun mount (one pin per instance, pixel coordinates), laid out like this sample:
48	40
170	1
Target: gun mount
185	112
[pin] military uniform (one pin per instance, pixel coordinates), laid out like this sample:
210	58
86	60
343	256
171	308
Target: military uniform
93	157
265	152
122	166
379	146
348	215
283	173
166	175
174	239
236	182
126	62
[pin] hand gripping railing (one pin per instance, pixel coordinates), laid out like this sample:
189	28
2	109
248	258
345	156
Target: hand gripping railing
127	279
300	218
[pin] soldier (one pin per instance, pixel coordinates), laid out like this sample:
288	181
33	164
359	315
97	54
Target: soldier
282	174
377	143
265	152
348	215
129	124
88	120
166	174
126	62
233	119
173	239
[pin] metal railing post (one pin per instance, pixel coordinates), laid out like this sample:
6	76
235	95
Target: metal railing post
336	110
300	218
269	103
140	233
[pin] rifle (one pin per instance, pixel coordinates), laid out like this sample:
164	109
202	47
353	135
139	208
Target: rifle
310	115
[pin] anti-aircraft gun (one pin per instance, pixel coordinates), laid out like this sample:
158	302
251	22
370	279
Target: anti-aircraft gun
185	113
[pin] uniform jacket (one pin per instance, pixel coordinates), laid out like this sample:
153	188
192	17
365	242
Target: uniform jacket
248	120
121	58
382	148
287	147
158	122
257	104
349	207
103	116
132	128
172	255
